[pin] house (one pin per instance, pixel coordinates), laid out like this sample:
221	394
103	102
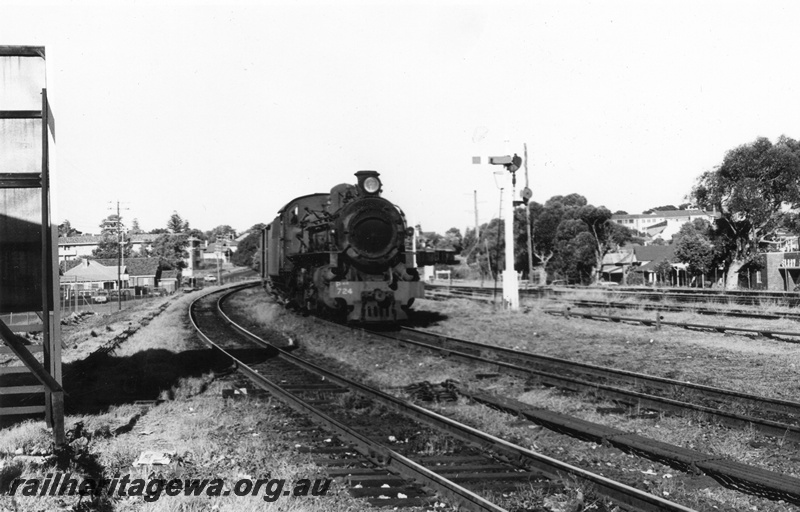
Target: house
643	260
226	249
776	271
657	230
84	274
139	272
76	247
142	274
170	280
663	224
616	265
648	257
781	241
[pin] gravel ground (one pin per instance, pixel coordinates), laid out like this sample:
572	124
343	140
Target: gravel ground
746	363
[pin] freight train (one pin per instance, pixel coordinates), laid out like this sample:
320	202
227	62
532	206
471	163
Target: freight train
346	254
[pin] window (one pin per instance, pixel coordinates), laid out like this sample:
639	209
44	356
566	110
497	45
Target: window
758	277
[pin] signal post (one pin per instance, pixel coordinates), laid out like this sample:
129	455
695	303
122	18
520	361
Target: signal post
510	283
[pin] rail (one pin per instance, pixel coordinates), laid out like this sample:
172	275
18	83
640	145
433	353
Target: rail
732	474
377	453
659	320
615	491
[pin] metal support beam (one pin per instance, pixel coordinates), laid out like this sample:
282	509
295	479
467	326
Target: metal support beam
53	388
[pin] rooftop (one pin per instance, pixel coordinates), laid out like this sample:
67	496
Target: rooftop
95	239
665	214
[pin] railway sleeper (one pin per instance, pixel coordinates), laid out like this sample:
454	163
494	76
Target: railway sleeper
729	473
339	463
374	483
376	479
752	480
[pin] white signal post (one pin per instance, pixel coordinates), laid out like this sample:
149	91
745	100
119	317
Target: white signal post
510	283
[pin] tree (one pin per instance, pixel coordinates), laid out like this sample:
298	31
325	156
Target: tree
176	224
695	227
111	225
697	252
170	249
112	230
492	246
574	252
247	250
428	239
544	226
66	229
196	233
748	191
135	229
569	239
605	234
545	221
453	240
663	271
470	244
223	232
665	208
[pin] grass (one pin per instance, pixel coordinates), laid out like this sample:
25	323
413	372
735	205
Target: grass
756	365
211	437
727	360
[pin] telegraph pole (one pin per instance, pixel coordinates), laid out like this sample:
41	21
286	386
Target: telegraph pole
477	228
526	195
120	258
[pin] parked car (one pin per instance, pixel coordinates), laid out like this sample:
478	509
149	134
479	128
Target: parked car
84	296
125	294
211	278
100	297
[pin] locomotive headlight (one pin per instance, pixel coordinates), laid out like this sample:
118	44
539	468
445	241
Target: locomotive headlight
372	185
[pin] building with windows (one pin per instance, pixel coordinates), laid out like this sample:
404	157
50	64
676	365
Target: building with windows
76	247
142	275
663	224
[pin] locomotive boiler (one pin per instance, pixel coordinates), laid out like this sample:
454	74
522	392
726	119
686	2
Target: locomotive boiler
346	254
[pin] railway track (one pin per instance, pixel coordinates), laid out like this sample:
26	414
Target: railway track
741	313
482	463
787	336
681	398
677	295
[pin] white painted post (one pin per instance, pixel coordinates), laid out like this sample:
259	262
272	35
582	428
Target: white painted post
510	284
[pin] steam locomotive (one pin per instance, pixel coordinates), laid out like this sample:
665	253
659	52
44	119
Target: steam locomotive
345	254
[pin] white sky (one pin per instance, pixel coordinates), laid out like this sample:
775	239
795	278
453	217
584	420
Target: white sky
225	112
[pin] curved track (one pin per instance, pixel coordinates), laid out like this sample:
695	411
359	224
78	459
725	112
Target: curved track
534	466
